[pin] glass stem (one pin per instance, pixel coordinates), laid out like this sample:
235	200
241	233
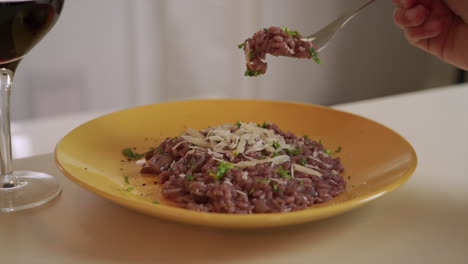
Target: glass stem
6	83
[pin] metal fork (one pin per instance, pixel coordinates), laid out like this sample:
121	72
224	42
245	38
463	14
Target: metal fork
322	37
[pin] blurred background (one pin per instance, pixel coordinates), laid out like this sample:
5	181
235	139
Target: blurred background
113	54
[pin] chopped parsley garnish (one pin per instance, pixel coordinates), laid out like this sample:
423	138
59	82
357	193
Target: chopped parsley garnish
159	150
156	202
289	31
276	144
238	124
129	189
295	151
274	154
303	161
262	180
264	124
126	180
189	177
320	141
221	169
283	172
306	136
252	73
275	188
314	54
251	54
241	46
333	152
128	152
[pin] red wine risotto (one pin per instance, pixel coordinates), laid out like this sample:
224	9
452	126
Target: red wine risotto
277	42
245	168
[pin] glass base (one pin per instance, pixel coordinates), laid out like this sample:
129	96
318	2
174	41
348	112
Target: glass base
27	189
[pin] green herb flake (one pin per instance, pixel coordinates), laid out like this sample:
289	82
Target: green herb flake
306	136
276	144
126	180
262	180
274	154
283	172
289	31
303	161
156	202
238	124
296	151
129	189
320	142
314	54
251	54
175	138
159	150
221	169
275	188
128	152
252	73
333	152
264	124
241	46
189	177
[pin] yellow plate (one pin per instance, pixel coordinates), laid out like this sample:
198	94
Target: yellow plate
376	158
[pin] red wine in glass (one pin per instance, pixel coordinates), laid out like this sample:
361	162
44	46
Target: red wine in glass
23	24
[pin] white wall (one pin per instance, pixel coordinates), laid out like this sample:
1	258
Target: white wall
82	64
116	53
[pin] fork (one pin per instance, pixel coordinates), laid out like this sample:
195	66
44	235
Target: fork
322	37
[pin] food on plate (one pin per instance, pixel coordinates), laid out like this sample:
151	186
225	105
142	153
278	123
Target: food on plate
277	41
245	168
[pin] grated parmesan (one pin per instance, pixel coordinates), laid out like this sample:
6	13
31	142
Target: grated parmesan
247	138
297	167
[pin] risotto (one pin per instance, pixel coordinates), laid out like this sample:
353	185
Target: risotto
277	42
245	168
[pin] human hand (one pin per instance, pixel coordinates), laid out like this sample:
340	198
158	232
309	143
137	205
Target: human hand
439	27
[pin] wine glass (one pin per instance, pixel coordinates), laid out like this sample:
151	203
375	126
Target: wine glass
23	23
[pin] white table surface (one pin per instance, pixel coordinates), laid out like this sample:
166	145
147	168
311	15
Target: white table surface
424	221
